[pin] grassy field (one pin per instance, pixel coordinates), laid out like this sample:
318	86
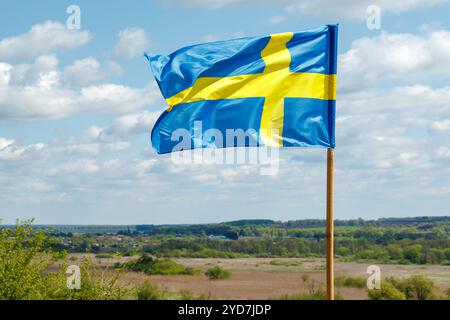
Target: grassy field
266	278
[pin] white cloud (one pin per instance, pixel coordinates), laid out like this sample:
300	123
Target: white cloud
418	104
10	151
81	166
213	4
342	9
390	110
41	39
350	9
443	153
404	57
5	75
38	186
277	19
113	99
393	146
103	141
89	70
132	43
83	71
40	72
133	123
225	36
441	125
41	102
121	128
92	148
41	91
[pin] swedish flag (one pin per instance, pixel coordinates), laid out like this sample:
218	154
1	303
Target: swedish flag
281	87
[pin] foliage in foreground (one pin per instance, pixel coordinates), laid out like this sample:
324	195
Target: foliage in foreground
387	292
416	287
22	263
24	276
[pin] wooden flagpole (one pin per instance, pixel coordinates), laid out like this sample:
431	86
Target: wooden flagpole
330	224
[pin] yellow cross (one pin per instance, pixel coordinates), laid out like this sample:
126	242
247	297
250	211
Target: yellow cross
275	84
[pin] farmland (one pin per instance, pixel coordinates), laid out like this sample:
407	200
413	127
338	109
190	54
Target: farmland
254	259
260	278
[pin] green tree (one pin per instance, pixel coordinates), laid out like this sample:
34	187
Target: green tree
413	253
395	252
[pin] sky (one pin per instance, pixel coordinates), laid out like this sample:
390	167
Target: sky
77	107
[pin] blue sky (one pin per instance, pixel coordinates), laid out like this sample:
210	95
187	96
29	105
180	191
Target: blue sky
77	108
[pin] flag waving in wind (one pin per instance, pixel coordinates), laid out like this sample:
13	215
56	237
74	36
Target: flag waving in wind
281	88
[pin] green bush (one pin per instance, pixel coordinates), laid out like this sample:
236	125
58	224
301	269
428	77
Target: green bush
151	266
149	291
286	263
169	267
217	273
305	278
387	292
417	287
350	282
96	284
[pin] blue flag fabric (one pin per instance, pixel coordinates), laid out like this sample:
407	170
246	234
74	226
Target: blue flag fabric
279	89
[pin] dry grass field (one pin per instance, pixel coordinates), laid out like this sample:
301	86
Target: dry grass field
261	278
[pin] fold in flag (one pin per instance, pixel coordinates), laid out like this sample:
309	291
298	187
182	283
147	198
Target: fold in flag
280	88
